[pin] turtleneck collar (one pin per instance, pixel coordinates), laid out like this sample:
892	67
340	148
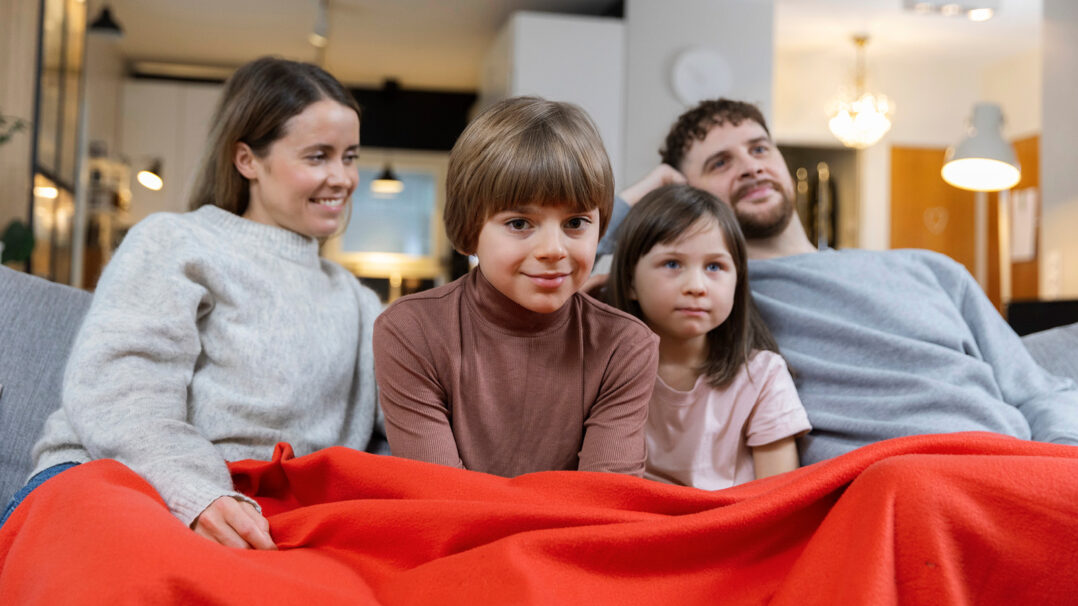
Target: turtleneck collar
507	315
275	240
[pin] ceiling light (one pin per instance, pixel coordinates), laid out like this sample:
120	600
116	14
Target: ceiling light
105	25
975	10
387	182
863	118
982	161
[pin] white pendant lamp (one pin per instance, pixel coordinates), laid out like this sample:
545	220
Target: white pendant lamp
983	161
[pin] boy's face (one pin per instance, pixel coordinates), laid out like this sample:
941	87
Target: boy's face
538	256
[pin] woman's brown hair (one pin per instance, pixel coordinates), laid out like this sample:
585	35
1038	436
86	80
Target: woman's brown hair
663	216
257	102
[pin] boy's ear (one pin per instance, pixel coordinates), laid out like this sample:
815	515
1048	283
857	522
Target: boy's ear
243	157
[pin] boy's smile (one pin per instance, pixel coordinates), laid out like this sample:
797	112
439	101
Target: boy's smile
538	256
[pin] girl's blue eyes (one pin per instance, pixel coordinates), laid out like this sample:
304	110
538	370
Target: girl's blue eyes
672	264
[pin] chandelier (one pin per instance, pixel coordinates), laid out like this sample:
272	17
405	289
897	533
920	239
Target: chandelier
862	118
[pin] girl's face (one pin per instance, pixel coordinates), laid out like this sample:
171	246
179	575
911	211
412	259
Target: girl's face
304	181
686	287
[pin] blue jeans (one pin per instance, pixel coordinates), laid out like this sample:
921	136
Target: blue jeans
38	479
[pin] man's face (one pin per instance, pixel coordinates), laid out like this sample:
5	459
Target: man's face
742	167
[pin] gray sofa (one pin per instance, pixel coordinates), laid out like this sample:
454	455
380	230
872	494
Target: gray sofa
39	319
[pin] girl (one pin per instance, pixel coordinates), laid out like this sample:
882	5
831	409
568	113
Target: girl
724	409
215	334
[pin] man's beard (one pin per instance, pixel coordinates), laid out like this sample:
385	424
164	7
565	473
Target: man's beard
757	226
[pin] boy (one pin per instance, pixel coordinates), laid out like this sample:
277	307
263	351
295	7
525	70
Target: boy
510	369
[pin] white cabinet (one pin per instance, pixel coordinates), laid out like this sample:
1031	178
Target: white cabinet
572	58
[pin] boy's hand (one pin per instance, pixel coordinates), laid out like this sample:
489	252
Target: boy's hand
663	174
234	523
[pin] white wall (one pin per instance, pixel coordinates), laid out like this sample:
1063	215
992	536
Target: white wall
656	32
571	58
1058	154
1017	85
170	121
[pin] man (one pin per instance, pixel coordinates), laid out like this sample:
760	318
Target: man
883	343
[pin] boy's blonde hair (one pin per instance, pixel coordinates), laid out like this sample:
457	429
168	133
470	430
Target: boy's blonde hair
520	151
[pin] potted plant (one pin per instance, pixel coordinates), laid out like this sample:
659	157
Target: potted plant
16	241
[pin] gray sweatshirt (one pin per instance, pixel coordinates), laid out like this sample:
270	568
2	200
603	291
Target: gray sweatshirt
903	342
212	338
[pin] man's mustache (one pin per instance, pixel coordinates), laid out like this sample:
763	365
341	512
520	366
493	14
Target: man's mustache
740	192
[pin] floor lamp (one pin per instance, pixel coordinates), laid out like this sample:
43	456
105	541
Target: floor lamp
984	162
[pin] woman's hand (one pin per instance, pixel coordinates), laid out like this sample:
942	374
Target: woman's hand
234	523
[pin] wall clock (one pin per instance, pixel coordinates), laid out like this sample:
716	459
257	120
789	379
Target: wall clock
700	73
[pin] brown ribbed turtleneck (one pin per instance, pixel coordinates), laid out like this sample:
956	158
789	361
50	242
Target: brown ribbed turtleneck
470	379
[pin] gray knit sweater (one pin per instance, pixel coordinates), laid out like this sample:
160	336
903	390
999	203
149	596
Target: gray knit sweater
212	338
903	342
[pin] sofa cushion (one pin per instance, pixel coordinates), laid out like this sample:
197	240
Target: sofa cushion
38	323
1056	350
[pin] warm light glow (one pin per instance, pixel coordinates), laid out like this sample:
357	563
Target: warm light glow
317	40
980	174
150	180
923	8
387	186
950	10
861	122
980	14
46	191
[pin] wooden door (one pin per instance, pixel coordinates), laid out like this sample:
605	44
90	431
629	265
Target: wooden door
926	212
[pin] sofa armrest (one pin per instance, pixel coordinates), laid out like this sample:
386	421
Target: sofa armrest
38	323
1056	350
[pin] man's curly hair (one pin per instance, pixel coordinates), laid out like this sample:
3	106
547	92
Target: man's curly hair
697	122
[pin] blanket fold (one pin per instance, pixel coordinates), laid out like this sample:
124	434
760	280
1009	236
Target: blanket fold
941	519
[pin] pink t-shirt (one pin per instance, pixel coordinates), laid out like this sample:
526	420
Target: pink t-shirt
703	437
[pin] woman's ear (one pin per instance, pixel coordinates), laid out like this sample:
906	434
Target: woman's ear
244	158
632	294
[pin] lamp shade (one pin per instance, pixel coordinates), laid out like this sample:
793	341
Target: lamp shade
982	161
387	182
150	177
105	25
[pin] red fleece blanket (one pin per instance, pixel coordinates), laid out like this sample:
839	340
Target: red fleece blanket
943	519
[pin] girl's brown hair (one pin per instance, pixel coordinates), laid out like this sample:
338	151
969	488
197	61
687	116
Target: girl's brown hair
525	150
661	217
255	106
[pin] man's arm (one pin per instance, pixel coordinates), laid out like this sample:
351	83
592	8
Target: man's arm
1049	403
663	174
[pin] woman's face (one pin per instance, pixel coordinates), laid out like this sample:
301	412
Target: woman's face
304	181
